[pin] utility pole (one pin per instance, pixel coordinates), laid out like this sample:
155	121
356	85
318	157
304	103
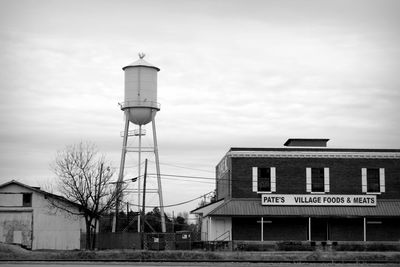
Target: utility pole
144	203
127	213
173	222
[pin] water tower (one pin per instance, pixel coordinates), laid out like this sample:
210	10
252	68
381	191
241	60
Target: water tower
140	107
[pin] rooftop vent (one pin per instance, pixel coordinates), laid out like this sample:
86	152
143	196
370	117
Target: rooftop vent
306	142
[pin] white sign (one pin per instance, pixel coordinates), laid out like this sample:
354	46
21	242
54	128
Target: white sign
318	200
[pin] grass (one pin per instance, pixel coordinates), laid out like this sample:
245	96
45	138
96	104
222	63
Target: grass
13	252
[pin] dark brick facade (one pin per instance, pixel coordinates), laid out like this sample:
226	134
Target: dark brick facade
387	229
345	178
274	228
223	186
345	175
348	229
245	228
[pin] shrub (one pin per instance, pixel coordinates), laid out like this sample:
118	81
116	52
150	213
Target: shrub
294	246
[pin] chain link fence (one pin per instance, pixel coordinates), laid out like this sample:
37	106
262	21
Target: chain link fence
181	240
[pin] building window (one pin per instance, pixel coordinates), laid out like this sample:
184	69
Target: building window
373	180
264	179
27	200
317	180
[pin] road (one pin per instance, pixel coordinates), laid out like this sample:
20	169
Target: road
175	264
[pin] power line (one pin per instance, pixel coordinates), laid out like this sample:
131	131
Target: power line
188	168
185	180
174	205
184	176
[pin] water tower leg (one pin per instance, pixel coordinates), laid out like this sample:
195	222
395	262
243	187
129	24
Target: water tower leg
139	174
121	172
163	227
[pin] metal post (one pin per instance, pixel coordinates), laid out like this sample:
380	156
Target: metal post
163	226
121	171
139	173
210	228
309	228
262	228
327	230
365	229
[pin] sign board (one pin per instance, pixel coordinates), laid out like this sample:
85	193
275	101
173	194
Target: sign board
318	200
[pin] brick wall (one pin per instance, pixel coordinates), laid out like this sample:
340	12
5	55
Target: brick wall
383	229
345	175
246	228
285	229
222	186
274	228
346	229
340	229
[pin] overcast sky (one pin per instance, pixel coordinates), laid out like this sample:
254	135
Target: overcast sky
233	73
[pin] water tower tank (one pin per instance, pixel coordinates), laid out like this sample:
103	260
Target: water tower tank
140	91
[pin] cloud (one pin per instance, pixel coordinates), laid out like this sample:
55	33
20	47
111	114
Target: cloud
232	75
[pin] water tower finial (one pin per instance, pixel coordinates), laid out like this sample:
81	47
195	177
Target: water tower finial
142	55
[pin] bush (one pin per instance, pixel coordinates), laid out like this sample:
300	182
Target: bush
294	246
254	246
367	247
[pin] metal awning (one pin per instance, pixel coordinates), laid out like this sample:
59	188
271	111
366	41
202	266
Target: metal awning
253	207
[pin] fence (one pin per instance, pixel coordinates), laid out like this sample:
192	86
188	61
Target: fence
185	240
182	240
119	240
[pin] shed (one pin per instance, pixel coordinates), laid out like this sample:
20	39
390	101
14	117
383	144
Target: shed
28	218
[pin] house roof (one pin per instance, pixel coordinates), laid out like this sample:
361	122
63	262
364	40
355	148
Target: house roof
38	190
253	207
206	209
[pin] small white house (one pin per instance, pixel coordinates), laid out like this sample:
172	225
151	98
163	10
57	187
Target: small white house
29	217
214	228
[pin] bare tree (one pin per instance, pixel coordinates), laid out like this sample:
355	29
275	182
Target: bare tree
84	177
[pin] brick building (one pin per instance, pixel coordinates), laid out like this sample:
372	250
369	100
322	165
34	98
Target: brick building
305	191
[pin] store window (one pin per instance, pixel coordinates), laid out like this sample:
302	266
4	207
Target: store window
373	180
264	180
317	180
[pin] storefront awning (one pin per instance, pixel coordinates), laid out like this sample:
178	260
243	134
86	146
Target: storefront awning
253	207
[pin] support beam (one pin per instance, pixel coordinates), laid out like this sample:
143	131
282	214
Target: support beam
139	174
121	171
210	228
160	195
262	222
309	228
262	228
365	229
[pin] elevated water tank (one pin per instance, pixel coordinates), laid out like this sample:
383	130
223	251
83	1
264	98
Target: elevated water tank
140	91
